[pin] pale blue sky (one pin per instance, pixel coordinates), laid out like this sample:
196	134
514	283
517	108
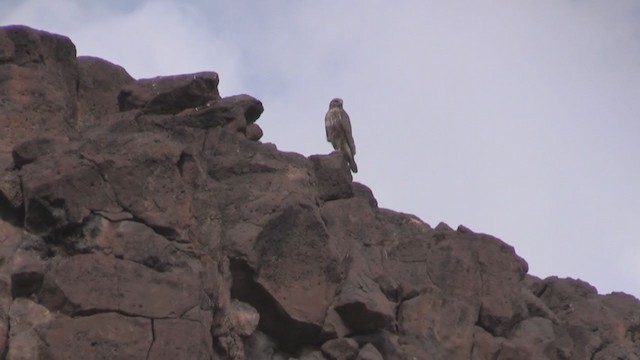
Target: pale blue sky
520	119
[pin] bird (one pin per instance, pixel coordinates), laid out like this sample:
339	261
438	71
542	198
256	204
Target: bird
338	127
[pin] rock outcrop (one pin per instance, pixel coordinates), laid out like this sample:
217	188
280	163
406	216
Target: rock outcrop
143	219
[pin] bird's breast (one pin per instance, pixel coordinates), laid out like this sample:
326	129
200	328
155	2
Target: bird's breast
331	119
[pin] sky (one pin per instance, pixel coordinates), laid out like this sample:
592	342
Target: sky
520	119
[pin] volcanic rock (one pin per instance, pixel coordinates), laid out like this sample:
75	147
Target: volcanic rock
340	349
25	316
369	352
98	89
38	85
99	336
170	94
144	219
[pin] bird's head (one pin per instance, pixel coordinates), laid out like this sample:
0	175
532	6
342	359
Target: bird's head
335	103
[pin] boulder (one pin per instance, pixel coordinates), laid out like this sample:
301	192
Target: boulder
25	316
369	352
340	349
100	336
179	339
170	94
99	85
334	176
91	283
39	85
362	305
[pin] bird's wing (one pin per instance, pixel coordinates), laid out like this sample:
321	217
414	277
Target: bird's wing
327	122
332	122
345	123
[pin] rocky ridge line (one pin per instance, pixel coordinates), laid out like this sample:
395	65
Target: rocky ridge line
144	219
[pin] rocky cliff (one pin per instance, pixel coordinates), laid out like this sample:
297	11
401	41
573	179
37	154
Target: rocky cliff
144	219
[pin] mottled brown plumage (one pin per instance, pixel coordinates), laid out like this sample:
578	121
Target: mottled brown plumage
338	127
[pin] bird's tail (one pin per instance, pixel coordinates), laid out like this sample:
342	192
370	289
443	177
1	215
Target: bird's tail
352	165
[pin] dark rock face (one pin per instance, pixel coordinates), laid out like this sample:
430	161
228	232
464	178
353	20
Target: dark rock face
38	85
146	221
100	83
170	94
340	349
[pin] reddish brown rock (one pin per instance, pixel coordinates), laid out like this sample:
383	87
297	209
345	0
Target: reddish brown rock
369	352
242	110
25	316
259	346
362	191
62	191
245	317
11	198
333	181
435	319
389	346
485	345
312	355
134	241
254	132
179	339
27	273
100	336
234	113
362	305
340	349
38	89
98	283
28	151
98	89
297	265
132	186
168	231
170	94
333	325
296	280
10	236
530	339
